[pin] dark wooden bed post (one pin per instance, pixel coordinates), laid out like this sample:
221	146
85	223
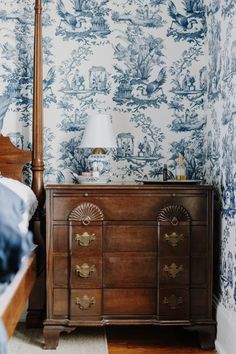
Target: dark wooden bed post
37	298
37	160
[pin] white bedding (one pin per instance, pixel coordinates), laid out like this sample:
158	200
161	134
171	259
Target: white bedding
27	195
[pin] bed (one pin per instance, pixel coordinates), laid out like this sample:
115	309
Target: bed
26	284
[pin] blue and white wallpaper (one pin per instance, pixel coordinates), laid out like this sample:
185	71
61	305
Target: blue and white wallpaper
141	61
165	70
220	167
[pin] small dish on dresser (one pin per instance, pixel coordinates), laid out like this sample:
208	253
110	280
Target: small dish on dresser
102	179
170	181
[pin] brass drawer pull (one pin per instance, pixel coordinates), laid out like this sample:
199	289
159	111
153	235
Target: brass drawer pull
173	301
84	271
173	239
173	270
85	303
85	239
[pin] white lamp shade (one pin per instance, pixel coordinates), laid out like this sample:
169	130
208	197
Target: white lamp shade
98	132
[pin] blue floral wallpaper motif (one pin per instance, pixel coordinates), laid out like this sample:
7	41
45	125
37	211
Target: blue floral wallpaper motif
142	61
83	20
188	23
220	167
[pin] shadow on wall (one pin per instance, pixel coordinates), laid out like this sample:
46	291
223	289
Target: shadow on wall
217	243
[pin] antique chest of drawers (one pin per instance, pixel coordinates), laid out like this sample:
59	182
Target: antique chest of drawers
129	254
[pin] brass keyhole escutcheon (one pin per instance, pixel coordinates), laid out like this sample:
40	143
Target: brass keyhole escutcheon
86	221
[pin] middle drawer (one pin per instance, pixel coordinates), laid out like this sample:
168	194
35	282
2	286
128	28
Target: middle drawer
129	269
86	272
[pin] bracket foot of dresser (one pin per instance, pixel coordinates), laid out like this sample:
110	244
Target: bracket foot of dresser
51	335
206	335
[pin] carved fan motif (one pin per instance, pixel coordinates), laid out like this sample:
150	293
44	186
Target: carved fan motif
86	212
173	214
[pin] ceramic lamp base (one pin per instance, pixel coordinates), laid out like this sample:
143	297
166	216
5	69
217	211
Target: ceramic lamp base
100	163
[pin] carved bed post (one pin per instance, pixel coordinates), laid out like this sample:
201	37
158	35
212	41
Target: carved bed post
37	298
37	161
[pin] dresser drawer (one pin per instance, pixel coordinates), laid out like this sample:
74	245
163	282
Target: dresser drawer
174	270
128	269
200	271
199	240
86	272
173	304
129	206
173	240
86	302
60	303
114	207
129	302
60	239
86	240
200	304
126	237
60	271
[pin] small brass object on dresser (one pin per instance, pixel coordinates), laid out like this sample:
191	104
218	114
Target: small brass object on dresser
84	271
85	239
173	270
85	303
174	238
173	301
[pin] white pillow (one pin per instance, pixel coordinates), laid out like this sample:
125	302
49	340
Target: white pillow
28	196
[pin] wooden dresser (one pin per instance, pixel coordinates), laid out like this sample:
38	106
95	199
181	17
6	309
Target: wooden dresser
129	254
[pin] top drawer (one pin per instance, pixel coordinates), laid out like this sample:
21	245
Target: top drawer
131	206
136	237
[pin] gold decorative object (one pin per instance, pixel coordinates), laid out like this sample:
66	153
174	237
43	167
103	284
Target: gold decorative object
86	213
84	271
173	301
173	214
85	239
173	270
85	303
173	239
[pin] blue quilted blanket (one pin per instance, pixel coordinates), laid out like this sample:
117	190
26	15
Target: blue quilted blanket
13	244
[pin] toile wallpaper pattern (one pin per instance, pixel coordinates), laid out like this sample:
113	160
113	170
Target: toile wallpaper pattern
141	61
220	167
163	69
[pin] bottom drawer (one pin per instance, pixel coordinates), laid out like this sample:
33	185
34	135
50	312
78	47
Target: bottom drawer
174	304
86	302
201	304
60	303
129	302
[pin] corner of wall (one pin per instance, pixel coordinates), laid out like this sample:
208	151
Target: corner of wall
226	330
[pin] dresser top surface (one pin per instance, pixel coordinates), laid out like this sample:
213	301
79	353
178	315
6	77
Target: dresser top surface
130	186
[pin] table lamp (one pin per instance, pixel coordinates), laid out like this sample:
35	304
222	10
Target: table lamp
99	135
